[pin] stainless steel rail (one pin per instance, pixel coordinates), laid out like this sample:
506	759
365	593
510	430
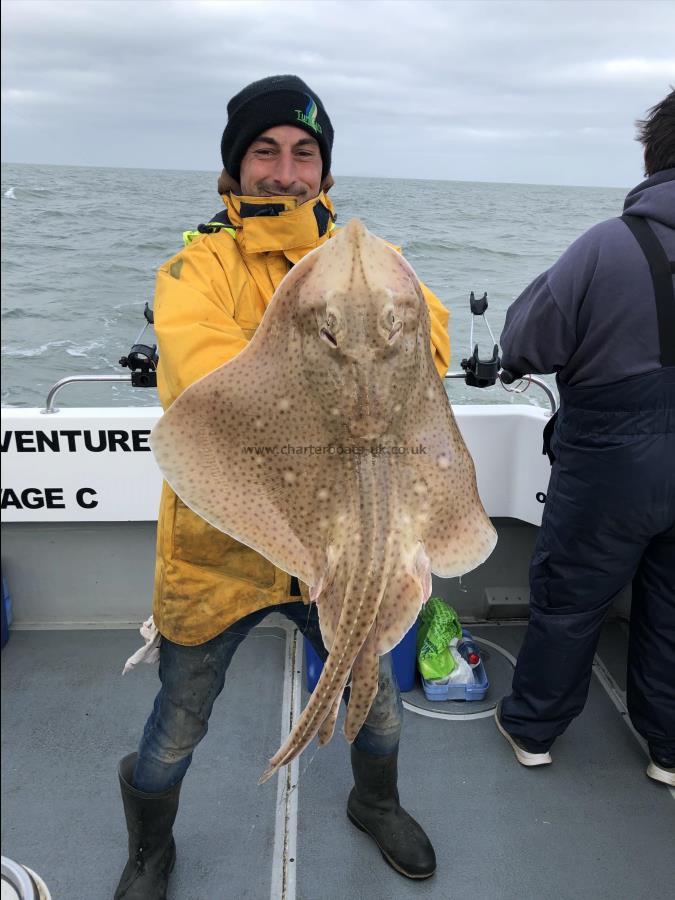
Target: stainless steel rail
72	379
533	378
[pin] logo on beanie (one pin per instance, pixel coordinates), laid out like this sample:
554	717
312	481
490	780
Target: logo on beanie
308	117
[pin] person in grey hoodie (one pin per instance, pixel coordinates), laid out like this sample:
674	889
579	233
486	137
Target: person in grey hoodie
603	319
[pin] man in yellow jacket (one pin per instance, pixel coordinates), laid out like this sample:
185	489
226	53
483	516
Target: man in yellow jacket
210	590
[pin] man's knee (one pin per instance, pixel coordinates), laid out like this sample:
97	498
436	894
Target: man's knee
175	732
386	713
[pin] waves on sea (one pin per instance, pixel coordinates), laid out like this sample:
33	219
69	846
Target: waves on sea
80	248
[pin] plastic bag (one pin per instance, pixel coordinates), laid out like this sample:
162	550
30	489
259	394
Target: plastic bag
438	625
463	673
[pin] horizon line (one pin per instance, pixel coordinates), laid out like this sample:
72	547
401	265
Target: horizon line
365	177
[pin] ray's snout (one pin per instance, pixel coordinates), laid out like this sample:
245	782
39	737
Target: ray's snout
355	229
361	312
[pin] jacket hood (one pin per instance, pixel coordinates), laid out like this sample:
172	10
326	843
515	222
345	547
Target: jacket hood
654	198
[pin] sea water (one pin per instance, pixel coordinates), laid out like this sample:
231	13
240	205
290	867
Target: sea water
80	248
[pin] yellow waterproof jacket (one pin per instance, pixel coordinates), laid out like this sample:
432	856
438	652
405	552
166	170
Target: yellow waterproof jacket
209	300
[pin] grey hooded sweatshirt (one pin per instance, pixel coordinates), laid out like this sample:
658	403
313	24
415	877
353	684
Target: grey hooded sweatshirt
591	318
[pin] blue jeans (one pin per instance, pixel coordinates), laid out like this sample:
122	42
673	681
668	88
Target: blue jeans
192	678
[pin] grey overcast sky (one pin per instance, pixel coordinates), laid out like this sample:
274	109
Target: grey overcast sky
544	91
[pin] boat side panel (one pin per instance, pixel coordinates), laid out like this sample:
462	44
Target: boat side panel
95	465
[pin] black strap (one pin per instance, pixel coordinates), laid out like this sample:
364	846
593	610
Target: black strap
253	210
548	435
323	217
661	269
217	223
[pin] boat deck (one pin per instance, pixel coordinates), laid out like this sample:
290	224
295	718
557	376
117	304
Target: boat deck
590	825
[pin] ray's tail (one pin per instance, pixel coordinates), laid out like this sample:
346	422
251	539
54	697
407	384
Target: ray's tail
381	612
366	562
365	678
356	621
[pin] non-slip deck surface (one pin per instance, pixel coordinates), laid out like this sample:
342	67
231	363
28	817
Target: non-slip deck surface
589	826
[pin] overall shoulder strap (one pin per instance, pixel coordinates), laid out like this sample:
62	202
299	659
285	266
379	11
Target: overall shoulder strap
661	269
220	222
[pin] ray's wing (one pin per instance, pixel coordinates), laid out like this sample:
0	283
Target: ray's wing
439	486
245	449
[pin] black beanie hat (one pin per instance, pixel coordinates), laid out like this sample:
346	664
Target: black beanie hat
277	100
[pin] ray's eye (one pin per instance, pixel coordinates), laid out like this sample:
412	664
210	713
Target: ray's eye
396	329
328	337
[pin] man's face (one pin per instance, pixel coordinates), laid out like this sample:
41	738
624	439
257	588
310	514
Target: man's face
283	160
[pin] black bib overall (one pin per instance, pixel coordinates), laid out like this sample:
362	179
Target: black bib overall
609	520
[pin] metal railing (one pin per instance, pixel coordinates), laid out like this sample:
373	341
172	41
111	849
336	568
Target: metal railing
74	379
553	402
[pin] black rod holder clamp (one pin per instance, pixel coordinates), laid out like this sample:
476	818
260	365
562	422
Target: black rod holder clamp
142	359
481	373
479	306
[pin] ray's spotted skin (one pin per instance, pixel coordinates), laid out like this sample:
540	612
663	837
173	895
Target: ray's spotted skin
329	446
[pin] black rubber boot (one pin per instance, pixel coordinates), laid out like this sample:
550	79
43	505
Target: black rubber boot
152	851
374	808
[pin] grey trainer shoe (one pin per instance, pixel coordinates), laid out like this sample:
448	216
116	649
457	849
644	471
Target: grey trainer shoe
660	772
524	757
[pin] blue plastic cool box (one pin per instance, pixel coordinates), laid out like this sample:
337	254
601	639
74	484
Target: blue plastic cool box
460	691
6	612
403	656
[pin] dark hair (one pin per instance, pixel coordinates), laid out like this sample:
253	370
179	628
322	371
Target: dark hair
656	132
